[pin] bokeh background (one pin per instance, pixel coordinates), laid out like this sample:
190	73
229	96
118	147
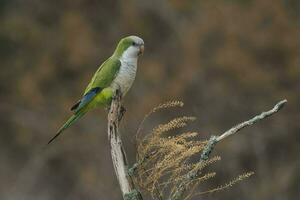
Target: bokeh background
226	59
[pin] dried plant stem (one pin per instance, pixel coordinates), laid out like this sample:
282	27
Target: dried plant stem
117	151
182	187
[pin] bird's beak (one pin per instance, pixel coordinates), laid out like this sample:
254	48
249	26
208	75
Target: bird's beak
141	49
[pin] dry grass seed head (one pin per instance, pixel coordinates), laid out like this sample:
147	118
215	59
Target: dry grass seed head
168	104
173	124
154	139
164	162
229	184
167	157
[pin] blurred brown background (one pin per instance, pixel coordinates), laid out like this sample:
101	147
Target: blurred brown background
226	59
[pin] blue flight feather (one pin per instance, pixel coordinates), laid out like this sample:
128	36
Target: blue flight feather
88	97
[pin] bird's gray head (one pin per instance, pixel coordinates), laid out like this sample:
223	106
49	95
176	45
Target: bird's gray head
132	46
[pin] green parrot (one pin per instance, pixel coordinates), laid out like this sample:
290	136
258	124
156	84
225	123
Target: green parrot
117	72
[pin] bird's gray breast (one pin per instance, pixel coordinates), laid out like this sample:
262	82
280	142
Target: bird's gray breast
125	77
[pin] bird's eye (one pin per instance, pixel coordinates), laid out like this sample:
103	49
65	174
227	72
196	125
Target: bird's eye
134	43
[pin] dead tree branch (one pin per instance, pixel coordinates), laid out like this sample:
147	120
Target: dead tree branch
250	122
119	159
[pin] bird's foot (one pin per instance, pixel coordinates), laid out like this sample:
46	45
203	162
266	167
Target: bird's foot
117	94
107	108
122	112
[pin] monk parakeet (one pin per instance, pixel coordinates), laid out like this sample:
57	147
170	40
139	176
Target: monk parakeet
117	72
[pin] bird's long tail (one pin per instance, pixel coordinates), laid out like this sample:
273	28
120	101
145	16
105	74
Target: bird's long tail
70	121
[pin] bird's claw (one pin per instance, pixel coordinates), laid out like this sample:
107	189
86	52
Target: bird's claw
122	112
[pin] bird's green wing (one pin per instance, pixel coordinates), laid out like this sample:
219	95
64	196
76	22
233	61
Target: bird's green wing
101	79
105	74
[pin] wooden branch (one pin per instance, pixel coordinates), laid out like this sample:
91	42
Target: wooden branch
250	122
182	187
117	151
